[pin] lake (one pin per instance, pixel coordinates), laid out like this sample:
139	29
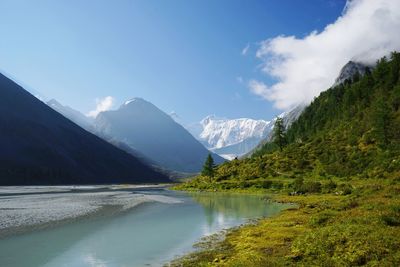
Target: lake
149	234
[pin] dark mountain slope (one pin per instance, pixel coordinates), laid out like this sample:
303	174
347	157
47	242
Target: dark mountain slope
40	146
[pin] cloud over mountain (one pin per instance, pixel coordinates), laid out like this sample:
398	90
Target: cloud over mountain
303	67
102	104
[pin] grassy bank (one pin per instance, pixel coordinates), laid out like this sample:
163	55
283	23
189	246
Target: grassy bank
346	223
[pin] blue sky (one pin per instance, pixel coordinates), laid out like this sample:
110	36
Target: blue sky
182	55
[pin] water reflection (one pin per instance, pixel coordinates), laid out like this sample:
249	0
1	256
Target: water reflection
148	235
225	209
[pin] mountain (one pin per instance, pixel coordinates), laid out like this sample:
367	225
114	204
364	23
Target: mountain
176	117
347	73
349	70
40	146
72	114
230	137
88	124
292	115
147	129
288	118
349	130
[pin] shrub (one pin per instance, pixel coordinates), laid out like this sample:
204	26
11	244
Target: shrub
297	184
349	204
265	184
321	218
277	185
245	184
302	187
312	187
330	185
391	219
345	189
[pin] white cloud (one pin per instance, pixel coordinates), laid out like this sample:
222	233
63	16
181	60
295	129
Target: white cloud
245	49
102	104
303	67
259	88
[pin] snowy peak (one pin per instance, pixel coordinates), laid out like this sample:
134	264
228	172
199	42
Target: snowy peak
223	132
230	137
209	119
140	108
135	100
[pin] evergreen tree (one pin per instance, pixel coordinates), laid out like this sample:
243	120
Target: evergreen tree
279	135
208	167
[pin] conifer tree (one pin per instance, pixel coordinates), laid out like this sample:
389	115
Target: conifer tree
279	135
208	167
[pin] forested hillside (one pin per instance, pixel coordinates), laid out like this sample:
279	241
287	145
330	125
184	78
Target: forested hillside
340	163
350	130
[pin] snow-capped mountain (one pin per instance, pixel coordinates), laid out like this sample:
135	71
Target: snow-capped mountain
221	132
230	137
145	128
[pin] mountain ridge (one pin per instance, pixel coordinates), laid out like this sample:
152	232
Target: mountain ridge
72	114
149	130
229	137
40	146
349	130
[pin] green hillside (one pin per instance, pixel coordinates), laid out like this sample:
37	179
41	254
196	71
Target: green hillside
340	161
349	130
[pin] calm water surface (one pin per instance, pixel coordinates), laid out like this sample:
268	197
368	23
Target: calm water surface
148	235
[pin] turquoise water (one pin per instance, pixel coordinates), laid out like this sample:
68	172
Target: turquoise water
148	235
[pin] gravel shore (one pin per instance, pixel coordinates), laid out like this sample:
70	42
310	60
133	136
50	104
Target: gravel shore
23	208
